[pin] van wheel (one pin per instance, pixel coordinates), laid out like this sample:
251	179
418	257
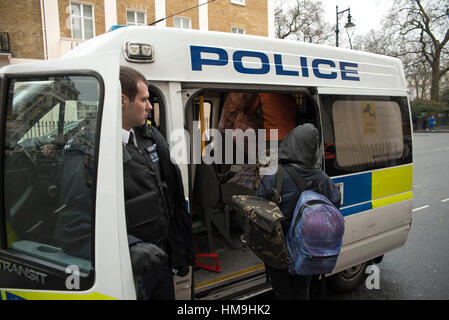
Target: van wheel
347	280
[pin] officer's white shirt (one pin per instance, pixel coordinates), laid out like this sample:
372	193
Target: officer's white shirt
125	136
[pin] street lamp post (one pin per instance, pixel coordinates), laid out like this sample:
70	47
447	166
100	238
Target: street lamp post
348	25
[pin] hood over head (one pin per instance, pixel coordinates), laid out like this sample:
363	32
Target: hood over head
301	147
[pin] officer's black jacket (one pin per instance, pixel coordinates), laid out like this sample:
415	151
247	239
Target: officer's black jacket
154	197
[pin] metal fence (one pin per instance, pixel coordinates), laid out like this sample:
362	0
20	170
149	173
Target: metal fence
46	128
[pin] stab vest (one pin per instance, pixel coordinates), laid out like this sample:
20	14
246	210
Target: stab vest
147	206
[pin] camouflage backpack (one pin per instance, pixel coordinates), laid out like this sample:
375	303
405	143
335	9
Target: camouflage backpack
261	220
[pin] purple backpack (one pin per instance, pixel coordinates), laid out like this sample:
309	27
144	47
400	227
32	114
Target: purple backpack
315	236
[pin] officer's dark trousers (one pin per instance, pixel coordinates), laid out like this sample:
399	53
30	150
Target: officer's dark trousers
288	287
156	285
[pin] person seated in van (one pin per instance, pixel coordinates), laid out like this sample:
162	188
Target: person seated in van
278	111
301	150
267	110
256	111
236	114
237	103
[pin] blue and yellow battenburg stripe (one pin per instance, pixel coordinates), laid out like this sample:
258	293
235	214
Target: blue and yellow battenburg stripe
375	189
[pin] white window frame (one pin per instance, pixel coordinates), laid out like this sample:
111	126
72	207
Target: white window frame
182	21
239	2
238	30
81	16
135	17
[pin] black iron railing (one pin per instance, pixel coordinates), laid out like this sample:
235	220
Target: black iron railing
48	129
4	43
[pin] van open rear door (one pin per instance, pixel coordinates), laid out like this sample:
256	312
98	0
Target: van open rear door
62	227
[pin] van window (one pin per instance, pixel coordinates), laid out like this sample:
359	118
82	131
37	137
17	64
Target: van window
49	171
365	133
155	113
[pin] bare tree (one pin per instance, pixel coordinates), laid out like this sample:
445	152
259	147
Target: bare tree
302	20
387	42
421	29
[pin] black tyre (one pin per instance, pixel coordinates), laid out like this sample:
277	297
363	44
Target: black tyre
348	280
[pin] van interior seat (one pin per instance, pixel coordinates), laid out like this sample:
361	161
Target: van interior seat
212	202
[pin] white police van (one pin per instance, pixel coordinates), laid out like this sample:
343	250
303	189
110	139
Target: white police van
359	102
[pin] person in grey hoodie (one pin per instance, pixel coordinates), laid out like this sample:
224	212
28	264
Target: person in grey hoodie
301	150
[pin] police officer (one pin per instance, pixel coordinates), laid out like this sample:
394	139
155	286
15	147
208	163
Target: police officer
159	228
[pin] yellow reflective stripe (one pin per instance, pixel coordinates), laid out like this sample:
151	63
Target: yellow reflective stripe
2	295
394	199
230	276
33	295
391	181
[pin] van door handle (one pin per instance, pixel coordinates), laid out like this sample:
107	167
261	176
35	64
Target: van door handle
341	188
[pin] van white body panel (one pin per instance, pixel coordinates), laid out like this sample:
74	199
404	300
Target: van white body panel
371	233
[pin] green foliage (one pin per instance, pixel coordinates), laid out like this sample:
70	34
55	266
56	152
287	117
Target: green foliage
444	97
426	108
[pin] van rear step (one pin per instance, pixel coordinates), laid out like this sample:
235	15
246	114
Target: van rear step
242	284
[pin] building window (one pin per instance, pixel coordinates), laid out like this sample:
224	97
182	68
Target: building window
238	30
82	17
182	23
136	18
240	2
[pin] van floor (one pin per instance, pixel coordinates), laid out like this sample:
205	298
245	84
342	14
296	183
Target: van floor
234	263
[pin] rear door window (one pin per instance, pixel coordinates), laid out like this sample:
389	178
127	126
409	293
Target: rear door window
365	133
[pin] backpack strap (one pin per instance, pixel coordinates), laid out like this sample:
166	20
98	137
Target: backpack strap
277	190
299	181
279	179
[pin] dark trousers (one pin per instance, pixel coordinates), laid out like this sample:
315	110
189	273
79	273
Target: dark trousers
156	285
287	286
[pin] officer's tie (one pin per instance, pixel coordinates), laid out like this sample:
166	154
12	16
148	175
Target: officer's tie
131	138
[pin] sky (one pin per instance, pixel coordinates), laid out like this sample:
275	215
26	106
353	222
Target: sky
366	14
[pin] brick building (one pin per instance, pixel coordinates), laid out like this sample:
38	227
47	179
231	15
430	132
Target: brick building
47	29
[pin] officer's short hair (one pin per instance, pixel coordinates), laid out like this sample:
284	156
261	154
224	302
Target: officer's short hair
128	80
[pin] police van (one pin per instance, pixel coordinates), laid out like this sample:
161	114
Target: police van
357	100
